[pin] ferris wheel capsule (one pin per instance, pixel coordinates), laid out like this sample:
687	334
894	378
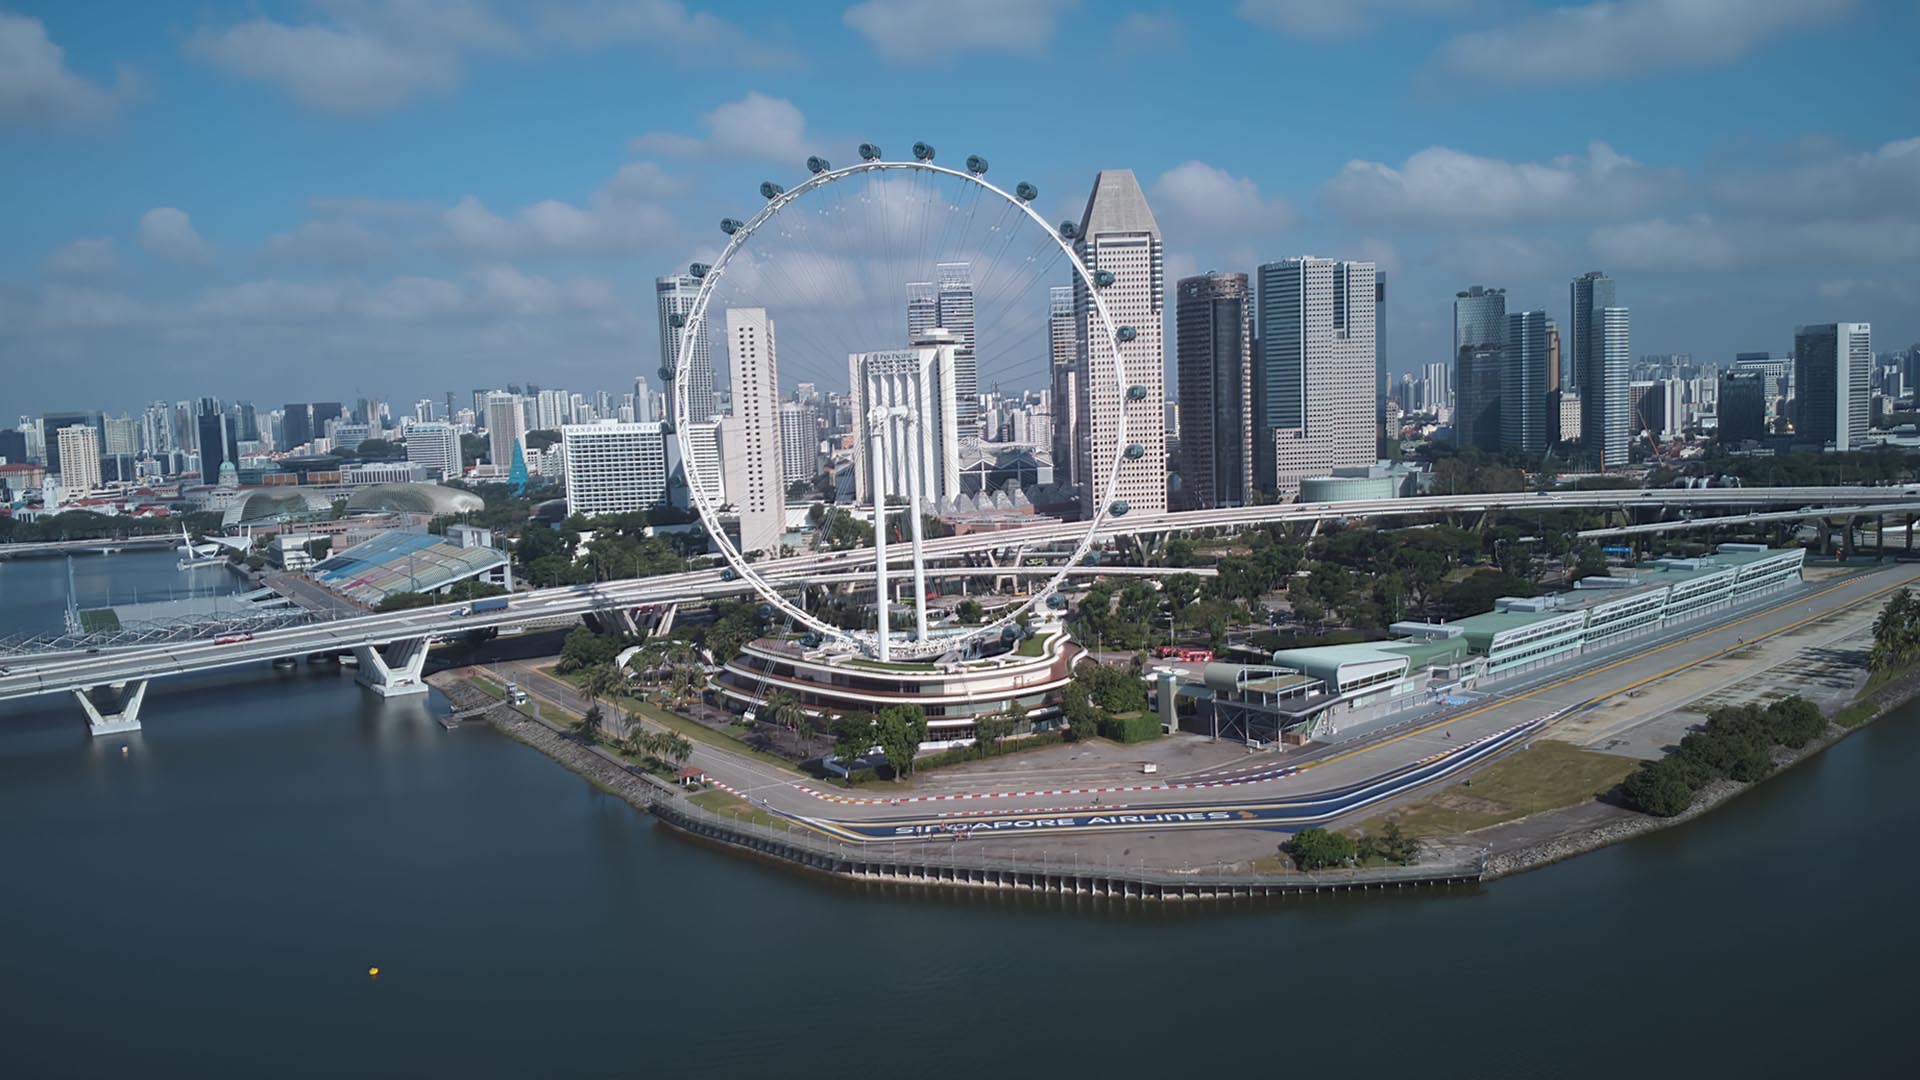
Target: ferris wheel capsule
976	165
869	152
1069	231
1136	392
1026	192
922	151
771	190
698	270
1135	451
667	428
730	226
665	373
1119	508
1103	278
818	165
1126	333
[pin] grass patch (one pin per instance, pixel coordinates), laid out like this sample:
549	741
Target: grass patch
725	802
1545	776
1034	645
99	620
1856	714
692	729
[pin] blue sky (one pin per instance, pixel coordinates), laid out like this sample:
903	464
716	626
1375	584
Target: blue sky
284	201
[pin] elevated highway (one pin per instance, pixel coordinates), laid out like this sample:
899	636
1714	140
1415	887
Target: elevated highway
391	647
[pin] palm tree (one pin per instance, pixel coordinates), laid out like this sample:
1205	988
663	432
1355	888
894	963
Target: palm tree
783	709
599	681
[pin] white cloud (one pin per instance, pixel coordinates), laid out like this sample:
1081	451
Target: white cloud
1705	242
327	242
414	298
645	180
664	25
1212	201
270	300
551	226
1626	37
923	30
1146	32
352	68
1868	184
1443	186
758	127
1334	18
69	307
94	256
167	233
506	288
38	89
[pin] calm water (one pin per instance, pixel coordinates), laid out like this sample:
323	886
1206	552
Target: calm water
208	904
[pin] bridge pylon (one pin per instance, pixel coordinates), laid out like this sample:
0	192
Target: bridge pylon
123	717
396	672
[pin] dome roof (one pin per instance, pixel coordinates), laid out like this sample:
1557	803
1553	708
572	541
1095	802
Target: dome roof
413	499
277	504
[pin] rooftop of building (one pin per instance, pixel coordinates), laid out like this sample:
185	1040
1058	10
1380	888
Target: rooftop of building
398	562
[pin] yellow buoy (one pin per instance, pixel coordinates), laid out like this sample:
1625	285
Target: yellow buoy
372	971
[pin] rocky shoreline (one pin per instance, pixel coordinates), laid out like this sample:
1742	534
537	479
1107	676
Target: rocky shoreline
1891	695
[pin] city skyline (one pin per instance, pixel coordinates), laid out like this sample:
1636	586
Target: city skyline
383	238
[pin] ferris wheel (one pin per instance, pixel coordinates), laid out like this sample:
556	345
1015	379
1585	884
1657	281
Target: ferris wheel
922	290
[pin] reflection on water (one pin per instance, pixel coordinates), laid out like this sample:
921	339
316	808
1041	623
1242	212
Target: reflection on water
208	902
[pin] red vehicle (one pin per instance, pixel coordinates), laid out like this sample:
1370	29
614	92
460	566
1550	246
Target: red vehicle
1192	654
232	639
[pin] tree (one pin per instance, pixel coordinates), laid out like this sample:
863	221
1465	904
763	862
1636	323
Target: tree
853	736
599	680
783	710
970	611
591	723
1017	718
1659	788
1390	845
1317	849
900	730
583	649
992	727
1592	562
737	625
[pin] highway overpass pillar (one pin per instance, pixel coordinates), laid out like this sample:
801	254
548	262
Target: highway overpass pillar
124	718
396	672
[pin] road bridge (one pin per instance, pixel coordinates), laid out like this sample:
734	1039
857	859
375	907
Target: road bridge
391	646
84	547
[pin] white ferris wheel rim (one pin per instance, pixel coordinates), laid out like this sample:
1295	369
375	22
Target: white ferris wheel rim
863	640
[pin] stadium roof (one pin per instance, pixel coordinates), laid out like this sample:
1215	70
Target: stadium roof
400	562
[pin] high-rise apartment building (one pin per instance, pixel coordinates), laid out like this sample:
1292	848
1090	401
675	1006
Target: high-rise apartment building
1832	376
1479	330
506	429
1523	384
1315	383
799	443
676	295
1439	387
435	447
760	497
552	409
614	468
51	423
1606	408
79	447
705	469
1063	352
1743	405
1119	235
1213	349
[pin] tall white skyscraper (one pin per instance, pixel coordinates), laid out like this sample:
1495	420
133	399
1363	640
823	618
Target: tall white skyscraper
614	468
1314	383
1063	343
760	497
956	315
435	447
79	448
506	428
1118	234
676	295
1607	427
925	373
1832	378
552	409
799	443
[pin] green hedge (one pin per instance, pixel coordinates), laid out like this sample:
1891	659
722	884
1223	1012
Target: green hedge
1131	728
1736	743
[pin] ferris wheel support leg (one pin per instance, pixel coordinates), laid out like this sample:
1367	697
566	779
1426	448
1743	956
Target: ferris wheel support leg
913	514
877	460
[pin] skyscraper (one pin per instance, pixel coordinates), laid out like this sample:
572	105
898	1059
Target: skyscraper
676	295
1606	409
1743	405
506	429
1590	292
956	315
216	449
1214	369
79	448
54	422
929	366
614	468
435	446
297	418
1063	350
755	377
1832	375
1119	235
1523	384
1316	380
799	443
1479	328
